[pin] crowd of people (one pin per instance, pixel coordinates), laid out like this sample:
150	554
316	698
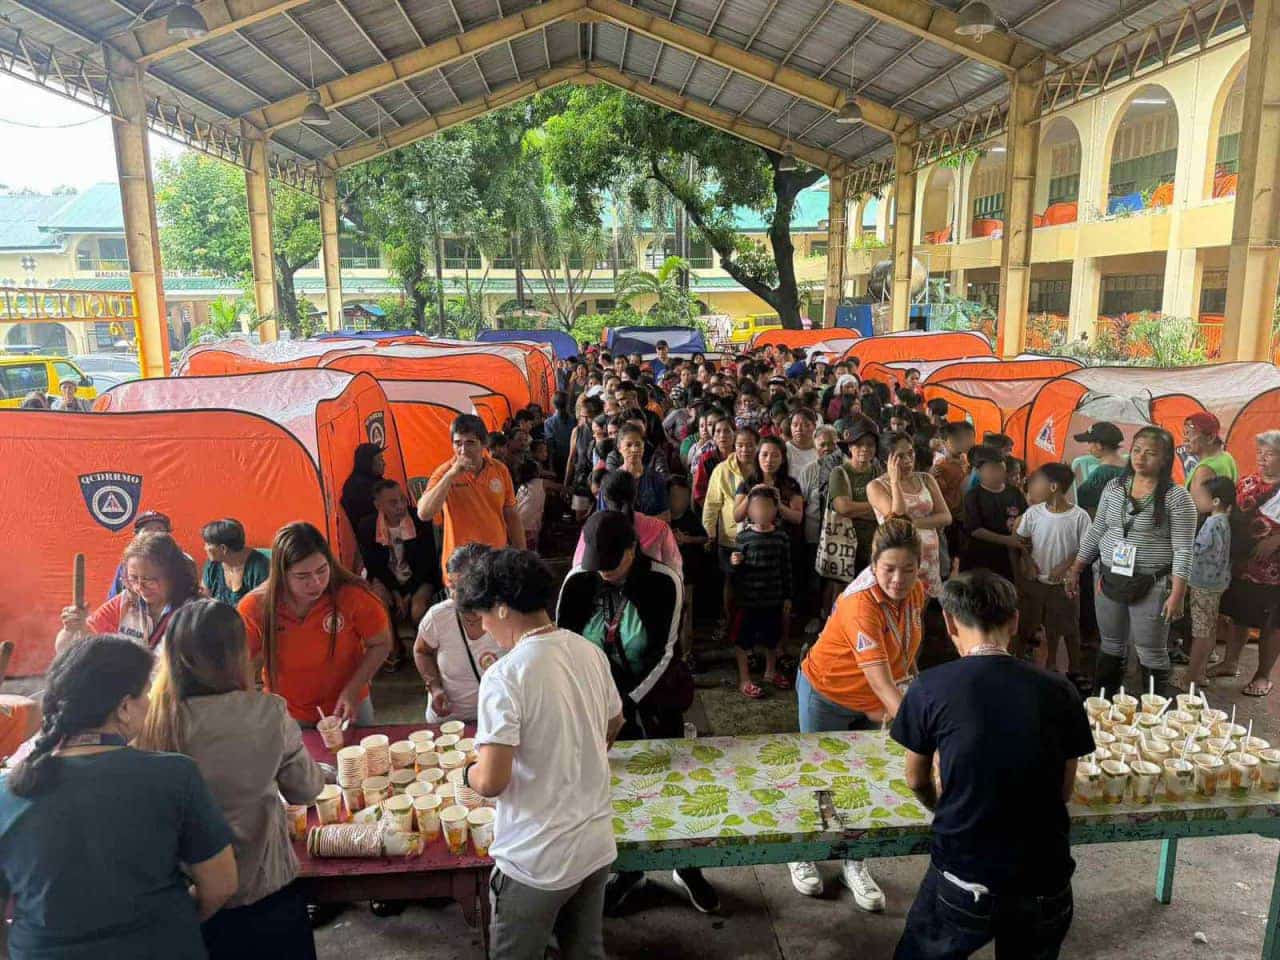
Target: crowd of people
781	502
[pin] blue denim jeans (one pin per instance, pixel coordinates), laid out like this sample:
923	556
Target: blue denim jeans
949	923
820	715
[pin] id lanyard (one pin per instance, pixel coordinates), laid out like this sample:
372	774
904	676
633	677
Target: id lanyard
1124	556
903	648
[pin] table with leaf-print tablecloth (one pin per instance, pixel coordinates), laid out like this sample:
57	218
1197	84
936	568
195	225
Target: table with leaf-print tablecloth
730	801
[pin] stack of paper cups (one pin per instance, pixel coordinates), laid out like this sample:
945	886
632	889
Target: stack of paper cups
425	759
377	748
465	796
452	760
401	779
454	727
402	752
421	738
353	770
446	742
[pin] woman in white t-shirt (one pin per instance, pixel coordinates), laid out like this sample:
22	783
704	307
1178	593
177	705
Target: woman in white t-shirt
453	651
549	710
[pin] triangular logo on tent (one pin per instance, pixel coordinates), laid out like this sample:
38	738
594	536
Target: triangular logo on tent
112	498
1044	439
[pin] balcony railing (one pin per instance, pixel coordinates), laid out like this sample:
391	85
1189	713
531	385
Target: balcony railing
462	263
359	263
103	266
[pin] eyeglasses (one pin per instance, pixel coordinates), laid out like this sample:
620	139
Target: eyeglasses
142	581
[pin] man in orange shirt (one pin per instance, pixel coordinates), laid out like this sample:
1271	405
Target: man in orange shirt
472	495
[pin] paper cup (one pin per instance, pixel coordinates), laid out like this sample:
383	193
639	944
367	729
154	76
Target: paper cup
453	821
1269	770
1155	751
376	789
425	760
1125	704
376	741
1188	703
445	792
402	752
467	747
432	776
1096	707
480	823
1242	771
377	748
1152	703
421	738
1168	734
398	811
452	760
1209	716
329	804
331	735
353	766
1125	733
1229	730
1088	783
1125	752
426	811
1254	745
1145	778
353	800
1198	732
419	789
401	779
1209	771
1148	722
1221	746
1099	754
295	815
453	727
1178	778
1115	780
1180	719
446	742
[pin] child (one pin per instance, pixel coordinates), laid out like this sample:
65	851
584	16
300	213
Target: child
692	538
1210	569
991	511
950	470
762	587
1015	473
1052	531
531	501
595	483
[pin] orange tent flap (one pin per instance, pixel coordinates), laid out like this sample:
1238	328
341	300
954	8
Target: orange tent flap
1170	412
425	429
875	370
915	345
983	413
91	474
802	338
1015	427
1018	369
241	356
1262	414
1049	420
498	372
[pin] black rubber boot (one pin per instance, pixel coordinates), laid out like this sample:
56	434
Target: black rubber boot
1163	687
1110	675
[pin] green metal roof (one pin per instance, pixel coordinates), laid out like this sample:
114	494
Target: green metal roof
811	207
96	210
21	217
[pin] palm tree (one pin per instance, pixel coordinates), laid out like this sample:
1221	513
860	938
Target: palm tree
672	305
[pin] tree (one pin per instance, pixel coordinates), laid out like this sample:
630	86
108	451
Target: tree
204	225
673	304
604	139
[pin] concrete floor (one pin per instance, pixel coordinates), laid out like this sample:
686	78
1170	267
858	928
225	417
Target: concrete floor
1222	888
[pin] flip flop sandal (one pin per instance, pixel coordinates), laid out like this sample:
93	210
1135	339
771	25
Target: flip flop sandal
751	691
1212	674
780	681
1256	685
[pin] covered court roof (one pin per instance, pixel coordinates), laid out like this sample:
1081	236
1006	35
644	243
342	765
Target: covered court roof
392	71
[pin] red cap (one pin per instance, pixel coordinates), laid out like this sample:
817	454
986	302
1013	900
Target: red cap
1205	423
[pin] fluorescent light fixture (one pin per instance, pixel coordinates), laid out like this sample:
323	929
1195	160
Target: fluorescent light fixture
1149	102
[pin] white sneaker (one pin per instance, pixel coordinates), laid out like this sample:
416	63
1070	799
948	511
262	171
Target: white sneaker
866	892
805	878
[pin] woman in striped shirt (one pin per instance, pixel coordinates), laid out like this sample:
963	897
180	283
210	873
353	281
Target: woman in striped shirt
1143	534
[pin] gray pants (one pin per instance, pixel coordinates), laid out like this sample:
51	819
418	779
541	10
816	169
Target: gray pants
524	918
1140	622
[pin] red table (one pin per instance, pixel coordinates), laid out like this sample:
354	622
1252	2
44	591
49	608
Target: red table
434	873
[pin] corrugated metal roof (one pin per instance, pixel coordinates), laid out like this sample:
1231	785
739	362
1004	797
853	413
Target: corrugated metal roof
96	210
22	216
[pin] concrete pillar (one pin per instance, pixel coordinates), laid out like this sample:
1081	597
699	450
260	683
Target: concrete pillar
1086	289
138	200
1181	294
329	253
1022	142
257	181
1254	269
904	190
837	245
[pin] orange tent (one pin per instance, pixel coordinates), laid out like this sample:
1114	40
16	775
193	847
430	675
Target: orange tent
1262	413
802	338
241	356
917	345
896	370
1134	397
329	412
85	477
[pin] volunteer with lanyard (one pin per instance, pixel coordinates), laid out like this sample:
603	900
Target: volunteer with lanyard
453	651
855	674
158	578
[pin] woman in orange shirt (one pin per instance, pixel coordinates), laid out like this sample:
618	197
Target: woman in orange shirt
317	629
853	677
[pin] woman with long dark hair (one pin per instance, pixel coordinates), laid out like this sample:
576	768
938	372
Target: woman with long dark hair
158	578
357	493
1143	533
250	752
108	851
318	630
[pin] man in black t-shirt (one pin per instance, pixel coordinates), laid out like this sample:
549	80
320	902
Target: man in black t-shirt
1006	736
991	511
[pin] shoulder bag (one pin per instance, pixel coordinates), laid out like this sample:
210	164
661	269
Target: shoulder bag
837	544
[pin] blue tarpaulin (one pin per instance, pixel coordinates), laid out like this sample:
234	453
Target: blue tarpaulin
1124	203
561	342
682	340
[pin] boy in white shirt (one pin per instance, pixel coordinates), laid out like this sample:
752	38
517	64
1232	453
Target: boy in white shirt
1052	529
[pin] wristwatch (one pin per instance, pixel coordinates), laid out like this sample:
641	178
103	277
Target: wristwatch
466	775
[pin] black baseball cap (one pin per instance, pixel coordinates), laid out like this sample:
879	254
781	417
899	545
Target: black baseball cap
863	427
606	536
1107	434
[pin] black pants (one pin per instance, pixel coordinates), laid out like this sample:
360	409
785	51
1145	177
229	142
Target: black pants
274	928
947	923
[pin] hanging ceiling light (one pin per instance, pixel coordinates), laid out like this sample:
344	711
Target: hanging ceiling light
788	163
185	21
315	115
849	111
976	20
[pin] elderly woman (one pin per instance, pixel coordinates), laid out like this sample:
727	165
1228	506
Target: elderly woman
158	578
1253	599
1202	434
845	402
452	651
1143	534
